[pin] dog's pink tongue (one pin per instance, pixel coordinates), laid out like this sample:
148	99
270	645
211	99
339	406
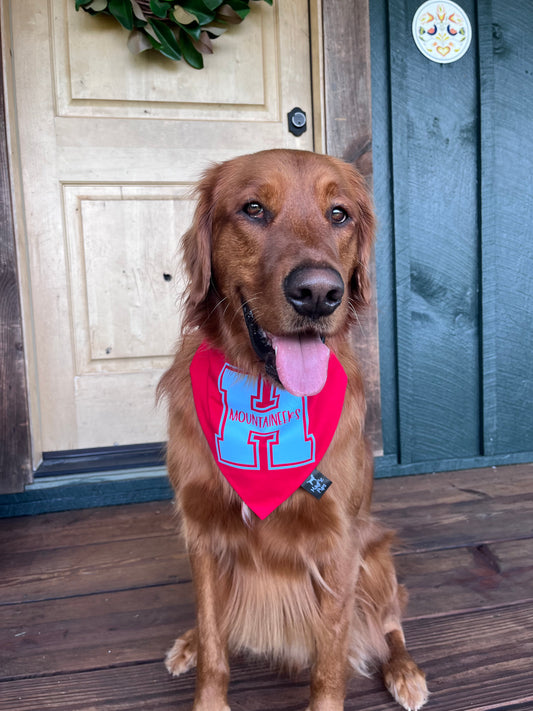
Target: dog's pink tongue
302	363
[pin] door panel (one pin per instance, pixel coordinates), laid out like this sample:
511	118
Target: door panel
110	145
124	292
242	75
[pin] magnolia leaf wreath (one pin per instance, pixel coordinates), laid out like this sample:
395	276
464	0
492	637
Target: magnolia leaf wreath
179	30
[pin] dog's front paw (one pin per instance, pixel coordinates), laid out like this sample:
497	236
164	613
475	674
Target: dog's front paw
406	682
182	656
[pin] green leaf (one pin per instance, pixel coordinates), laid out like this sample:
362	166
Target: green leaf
194	32
150	32
216	30
240	7
196	22
138	42
98	5
139	14
122	11
182	16
212	4
238	4
204	44
198	9
159	7
228	14
191	55
169	44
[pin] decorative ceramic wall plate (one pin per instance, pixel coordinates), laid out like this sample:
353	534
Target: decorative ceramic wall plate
442	31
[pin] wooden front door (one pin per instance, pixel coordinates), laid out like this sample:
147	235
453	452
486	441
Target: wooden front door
453	159
109	145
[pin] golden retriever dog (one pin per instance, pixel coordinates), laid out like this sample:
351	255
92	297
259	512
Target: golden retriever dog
277	264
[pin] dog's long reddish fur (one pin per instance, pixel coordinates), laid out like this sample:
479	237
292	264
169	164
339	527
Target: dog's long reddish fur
313	583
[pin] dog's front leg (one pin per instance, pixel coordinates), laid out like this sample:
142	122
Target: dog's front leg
330	669
212	675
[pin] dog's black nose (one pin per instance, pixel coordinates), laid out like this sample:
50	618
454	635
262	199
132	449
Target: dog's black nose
314	291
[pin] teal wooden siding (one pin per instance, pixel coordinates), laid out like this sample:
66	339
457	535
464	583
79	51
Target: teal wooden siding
453	160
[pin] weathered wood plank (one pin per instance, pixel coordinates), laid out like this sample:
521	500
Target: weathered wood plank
349	136
94	632
80	633
422	509
477	661
88	526
449	581
81	552
470	619
15	458
458	508
83	570
347	82
134	687
438	581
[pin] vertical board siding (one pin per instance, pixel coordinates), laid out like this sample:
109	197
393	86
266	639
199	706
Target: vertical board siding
513	199
399	24
455	259
435	169
383	194
489	234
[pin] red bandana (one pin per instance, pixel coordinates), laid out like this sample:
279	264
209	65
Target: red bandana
265	440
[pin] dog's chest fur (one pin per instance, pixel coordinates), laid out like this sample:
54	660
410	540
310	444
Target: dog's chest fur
272	576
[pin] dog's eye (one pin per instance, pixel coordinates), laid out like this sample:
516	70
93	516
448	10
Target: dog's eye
254	209
338	215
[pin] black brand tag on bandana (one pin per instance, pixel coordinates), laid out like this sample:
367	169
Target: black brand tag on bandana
316	484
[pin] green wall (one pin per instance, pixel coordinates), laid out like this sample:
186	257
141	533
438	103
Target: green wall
453	160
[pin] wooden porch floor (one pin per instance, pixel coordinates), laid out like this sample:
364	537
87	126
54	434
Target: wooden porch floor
90	601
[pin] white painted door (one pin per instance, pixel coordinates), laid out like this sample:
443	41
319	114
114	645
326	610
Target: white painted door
108	146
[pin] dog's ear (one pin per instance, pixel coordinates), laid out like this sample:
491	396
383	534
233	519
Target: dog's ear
196	242
366	225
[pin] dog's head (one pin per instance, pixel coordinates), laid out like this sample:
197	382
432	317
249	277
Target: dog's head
277	259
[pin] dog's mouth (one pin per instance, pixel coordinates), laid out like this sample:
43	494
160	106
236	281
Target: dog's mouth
299	362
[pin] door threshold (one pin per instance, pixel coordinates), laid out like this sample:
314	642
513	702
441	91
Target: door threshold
98	459
68	492
96	477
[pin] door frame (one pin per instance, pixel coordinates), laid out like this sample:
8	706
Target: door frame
340	70
15	454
